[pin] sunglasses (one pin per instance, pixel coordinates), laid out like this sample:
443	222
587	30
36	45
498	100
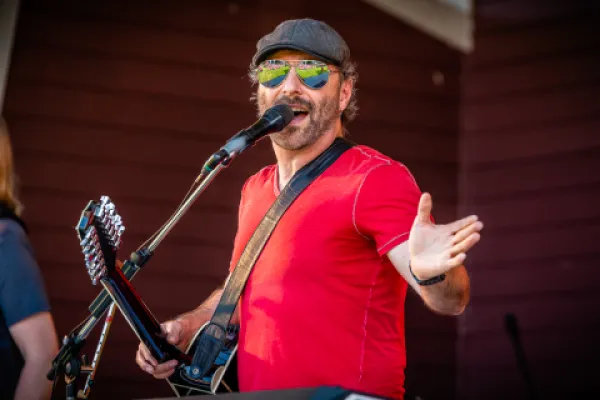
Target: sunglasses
312	73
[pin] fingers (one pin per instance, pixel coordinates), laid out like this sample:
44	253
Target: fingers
165	370
466	244
467	231
456	261
149	364
424	211
144	359
462	223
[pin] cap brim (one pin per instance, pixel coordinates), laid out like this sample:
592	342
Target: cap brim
268	50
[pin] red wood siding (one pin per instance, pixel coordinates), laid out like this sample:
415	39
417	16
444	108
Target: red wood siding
530	156
128	100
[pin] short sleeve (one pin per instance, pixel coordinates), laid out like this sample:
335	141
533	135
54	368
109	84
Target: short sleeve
386	205
22	291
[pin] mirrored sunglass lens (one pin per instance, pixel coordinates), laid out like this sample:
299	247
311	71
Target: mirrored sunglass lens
271	75
315	76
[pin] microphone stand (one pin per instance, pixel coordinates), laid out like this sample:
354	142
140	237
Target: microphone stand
69	361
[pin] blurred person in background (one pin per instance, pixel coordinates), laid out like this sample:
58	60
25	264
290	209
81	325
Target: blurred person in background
28	340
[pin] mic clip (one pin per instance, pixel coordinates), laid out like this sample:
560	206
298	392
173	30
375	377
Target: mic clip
232	148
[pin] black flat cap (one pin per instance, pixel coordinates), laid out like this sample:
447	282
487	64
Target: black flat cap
307	35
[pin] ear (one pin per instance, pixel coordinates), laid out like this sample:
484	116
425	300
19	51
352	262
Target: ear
345	93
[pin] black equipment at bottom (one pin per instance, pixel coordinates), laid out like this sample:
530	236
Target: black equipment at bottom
318	393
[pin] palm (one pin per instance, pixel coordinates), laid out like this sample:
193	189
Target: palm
435	249
429	247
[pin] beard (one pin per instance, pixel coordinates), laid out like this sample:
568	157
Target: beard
321	116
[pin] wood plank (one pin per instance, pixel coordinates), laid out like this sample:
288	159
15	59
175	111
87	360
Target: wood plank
118	39
178	153
575	347
407	143
363	35
555	37
440	181
140	182
184	293
566	171
528	211
210	261
130	109
205	81
510	81
173	147
427	113
497	148
496	17
534	109
554	381
237	19
404	77
421	322
535	313
90	69
552	240
38	170
500	283
418	380
193	115
140	219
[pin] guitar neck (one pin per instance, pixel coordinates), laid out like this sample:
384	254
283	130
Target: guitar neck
139	317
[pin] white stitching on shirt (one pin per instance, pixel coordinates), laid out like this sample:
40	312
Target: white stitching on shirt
387	162
364	341
356	201
392	239
374	156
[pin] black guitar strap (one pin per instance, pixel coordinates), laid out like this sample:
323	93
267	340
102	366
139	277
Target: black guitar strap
213	336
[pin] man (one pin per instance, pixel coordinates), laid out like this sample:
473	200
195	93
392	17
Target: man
324	304
28	340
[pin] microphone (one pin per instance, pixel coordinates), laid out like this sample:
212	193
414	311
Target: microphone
273	120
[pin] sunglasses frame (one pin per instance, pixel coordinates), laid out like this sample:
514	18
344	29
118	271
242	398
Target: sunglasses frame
293	64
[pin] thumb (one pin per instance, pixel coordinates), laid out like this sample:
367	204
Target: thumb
424	211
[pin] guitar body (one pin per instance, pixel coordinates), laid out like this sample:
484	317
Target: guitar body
222	376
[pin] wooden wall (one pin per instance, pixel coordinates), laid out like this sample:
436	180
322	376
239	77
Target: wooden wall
530	162
127	100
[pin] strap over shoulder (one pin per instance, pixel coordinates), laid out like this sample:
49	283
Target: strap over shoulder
300	181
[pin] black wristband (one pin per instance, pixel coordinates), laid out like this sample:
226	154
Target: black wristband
427	282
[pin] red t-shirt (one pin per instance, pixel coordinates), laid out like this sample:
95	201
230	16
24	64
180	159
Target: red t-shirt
323	304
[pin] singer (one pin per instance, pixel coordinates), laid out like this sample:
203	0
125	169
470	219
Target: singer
324	304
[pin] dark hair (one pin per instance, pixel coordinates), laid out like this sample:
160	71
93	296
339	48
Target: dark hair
348	69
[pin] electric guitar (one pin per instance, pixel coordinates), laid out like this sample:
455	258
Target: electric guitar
100	229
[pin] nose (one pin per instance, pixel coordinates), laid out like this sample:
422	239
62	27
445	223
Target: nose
291	84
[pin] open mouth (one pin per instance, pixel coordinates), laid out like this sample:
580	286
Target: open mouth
299	114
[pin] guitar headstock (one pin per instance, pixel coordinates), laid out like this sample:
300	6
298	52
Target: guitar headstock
100	229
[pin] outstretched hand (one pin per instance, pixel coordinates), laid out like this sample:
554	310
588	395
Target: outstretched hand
436	249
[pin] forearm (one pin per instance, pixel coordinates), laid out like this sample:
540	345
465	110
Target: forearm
33	384
451	296
194	319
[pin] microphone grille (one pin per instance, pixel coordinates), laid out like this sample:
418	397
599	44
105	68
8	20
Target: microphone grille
282	113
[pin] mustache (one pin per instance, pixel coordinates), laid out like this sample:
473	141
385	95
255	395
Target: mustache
287	100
